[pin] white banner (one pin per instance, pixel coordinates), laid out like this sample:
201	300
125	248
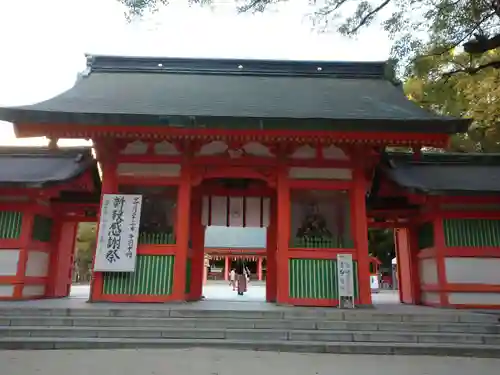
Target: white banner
118	233
345	276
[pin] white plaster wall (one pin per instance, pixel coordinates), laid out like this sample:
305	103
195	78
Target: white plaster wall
332	152
33	290
474	298
428	271
6	290
429	297
38	264
473	270
8	262
320	173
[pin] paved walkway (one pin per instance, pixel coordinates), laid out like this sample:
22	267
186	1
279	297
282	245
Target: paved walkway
227	362
221	297
221	291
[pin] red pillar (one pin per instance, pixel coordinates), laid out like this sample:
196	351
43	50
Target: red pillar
360	231
271	254
109	185
198	249
226	268
205	273
61	266
182	234
259	269
440	245
24	242
283	235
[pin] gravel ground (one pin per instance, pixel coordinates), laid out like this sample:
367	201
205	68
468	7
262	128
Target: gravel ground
230	362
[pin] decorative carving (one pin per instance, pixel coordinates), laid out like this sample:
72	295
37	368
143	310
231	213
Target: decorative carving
235	153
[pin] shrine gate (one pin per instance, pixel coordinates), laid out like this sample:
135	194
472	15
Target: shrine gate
293	147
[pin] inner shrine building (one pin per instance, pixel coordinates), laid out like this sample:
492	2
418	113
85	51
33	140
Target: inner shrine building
295	147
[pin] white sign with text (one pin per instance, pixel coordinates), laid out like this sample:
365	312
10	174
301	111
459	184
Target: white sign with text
118	233
345	278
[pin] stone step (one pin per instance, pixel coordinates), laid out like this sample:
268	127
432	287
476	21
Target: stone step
149	311
250	334
305	324
46	343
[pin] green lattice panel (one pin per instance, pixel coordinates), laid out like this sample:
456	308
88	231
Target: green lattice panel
153	276
156	238
472	232
10	224
316	278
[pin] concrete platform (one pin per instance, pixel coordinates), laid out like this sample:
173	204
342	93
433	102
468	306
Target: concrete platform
219	296
231	362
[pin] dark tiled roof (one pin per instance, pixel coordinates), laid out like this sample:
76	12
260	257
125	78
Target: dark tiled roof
445	173
244	94
39	167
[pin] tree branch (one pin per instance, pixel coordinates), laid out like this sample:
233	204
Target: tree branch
482	44
368	16
475	70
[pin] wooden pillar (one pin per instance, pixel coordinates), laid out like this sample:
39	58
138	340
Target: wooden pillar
283	235
205	274
259	269
62	257
24	241
440	246
271	253
109	186
106	154
360	230
415	269
182	234
226	268
197	244
404	244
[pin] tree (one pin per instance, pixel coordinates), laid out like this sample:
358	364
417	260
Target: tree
381	245
86	239
437	82
416	26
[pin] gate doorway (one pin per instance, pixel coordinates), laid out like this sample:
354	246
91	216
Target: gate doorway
225	249
233	223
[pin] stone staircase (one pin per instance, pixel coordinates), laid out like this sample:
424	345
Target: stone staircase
289	329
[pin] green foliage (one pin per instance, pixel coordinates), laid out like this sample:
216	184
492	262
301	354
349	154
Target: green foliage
381	245
86	239
460	94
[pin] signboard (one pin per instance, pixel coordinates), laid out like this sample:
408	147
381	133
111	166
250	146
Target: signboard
118	233
345	277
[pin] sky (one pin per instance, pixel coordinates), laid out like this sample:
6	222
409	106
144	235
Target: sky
43	42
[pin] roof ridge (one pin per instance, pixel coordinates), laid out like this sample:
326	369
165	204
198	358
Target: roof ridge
234	66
